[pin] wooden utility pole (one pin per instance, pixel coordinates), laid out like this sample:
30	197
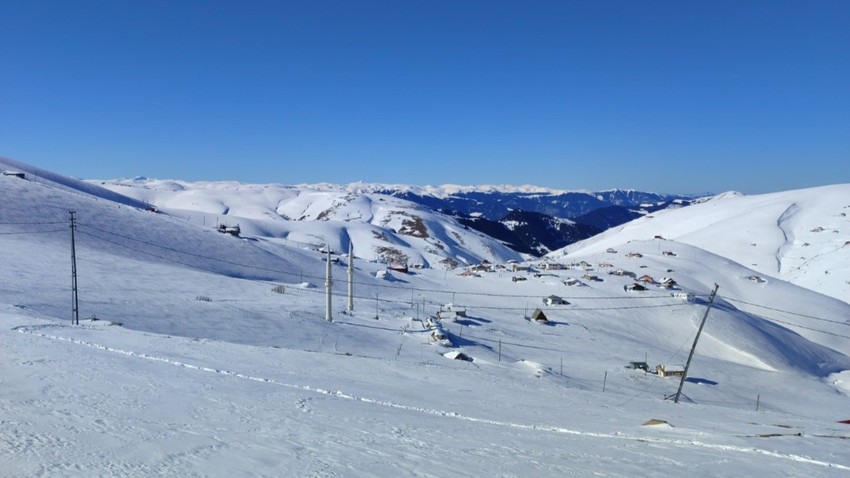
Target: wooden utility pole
350	275
75	303
328	286
699	331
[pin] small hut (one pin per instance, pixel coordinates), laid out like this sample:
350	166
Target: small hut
455	355
670	371
554	300
539	317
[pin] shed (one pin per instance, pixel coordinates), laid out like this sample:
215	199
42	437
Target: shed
232	230
647	279
670	370
455	355
539	317
572	281
438	335
638	366
634	287
554	300
622	273
449	315
460	311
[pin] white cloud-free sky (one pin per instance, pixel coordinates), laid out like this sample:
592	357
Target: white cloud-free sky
663	96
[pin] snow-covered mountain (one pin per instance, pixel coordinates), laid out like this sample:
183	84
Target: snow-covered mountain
528	220
224	363
799	236
379	226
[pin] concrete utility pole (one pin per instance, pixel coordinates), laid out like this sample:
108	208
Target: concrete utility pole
699	331
328	284
75	303
350	275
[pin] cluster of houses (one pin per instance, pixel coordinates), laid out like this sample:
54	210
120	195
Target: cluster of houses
641	283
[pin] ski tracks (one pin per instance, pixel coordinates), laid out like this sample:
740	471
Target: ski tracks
682	443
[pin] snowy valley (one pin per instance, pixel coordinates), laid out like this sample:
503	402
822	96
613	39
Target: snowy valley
200	353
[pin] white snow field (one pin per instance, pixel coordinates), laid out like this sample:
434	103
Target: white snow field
203	354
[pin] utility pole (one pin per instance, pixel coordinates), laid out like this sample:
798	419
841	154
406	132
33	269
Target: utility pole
350	275
75	303
699	331
328	284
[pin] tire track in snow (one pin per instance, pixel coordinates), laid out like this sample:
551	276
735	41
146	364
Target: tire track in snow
34	330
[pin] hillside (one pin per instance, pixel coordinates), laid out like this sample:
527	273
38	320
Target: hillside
796	236
223	363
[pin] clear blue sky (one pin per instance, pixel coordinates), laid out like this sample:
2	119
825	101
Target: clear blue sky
668	96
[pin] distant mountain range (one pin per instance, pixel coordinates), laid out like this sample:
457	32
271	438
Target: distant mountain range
527	219
541	220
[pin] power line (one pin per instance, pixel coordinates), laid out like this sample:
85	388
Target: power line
416	289
200	256
30	223
808	328
30	232
434	291
787	312
148	253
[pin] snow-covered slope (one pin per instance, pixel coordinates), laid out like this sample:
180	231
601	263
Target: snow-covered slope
800	236
225	365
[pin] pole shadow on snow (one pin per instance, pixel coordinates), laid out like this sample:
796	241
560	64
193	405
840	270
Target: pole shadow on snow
703	381
472	321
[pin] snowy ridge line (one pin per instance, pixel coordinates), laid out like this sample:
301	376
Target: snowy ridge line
33	330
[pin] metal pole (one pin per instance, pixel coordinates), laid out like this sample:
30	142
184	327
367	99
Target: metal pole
75	303
350	276
328	284
699	331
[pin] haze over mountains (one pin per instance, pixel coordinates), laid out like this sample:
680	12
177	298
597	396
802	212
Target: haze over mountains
224	362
